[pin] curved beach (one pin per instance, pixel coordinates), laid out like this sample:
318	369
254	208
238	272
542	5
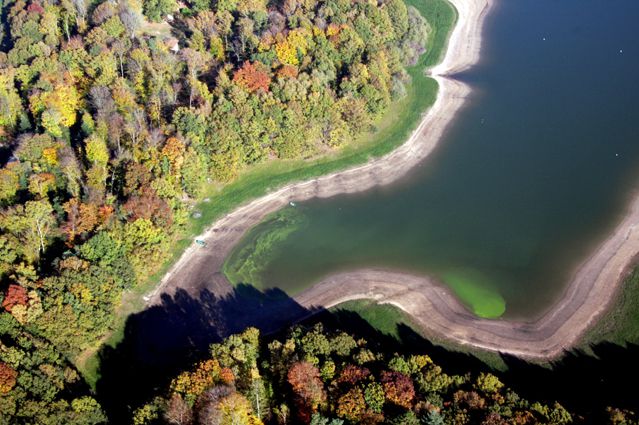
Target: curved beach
433	307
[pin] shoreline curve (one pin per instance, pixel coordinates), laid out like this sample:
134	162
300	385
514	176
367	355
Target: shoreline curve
434	307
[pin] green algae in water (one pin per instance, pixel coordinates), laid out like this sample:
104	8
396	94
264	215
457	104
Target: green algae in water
473	290
260	245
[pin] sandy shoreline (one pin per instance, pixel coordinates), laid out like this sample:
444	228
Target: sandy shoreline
433	307
200	268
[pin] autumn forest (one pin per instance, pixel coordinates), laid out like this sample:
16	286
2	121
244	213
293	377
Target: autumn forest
115	117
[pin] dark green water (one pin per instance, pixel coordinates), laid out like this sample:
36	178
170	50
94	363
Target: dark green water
531	176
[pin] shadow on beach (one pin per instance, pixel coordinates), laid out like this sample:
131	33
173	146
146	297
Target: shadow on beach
581	382
165	339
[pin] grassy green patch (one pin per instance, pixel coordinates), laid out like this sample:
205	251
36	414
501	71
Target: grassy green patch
620	324
473	290
441	16
392	130
259	246
385	318
157	29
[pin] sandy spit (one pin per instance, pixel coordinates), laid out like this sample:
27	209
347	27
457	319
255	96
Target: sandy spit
433	306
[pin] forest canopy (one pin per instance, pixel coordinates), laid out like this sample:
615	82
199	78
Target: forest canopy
109	132
313	376
115	115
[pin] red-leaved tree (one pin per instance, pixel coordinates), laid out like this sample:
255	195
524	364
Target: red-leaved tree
15	295
253	77
352	374
398	388
150	206
7	378
308	388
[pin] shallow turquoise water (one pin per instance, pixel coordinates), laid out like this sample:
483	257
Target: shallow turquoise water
533	173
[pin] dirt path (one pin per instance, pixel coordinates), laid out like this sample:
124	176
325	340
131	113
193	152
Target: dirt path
433	306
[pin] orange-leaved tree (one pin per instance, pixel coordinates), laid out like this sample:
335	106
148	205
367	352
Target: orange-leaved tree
253	77
308	388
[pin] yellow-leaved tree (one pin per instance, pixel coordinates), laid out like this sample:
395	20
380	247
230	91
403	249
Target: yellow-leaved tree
10	103
57	108
294	45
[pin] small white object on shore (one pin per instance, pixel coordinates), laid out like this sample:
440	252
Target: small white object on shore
292	203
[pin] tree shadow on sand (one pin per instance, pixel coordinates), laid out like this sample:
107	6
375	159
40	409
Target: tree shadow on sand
166	339
582	382
162	340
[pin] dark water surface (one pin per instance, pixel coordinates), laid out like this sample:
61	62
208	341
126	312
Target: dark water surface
532	175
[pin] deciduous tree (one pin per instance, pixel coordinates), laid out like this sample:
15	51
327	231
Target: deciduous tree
398	388
351	406
7	378
253	77
32	223
307	386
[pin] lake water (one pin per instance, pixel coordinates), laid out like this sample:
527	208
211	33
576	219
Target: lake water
532	175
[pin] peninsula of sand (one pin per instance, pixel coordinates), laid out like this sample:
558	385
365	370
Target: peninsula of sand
433	307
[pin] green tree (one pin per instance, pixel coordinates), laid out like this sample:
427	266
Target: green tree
488	383
374	396
156	10
433	418
9	185
145	244
10	102
32	223
398	14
